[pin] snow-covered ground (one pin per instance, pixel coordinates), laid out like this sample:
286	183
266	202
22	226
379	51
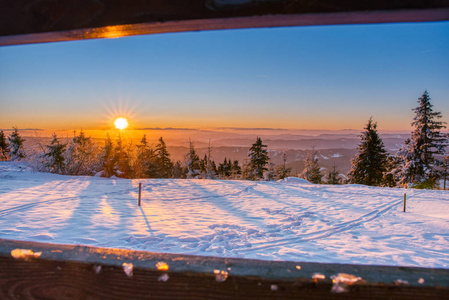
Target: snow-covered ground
286	220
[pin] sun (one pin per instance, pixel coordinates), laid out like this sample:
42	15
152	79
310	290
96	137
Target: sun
121	123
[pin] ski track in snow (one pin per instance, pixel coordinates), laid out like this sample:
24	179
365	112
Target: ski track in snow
328	232
287	220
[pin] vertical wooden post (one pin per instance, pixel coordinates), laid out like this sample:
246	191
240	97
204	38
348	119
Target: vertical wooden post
444	185
140	192
404	200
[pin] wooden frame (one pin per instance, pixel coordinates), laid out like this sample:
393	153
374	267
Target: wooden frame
38	21
81	272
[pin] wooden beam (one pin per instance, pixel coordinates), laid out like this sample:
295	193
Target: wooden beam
81	272
37	21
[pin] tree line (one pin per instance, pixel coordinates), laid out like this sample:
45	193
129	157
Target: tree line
420	162
81	156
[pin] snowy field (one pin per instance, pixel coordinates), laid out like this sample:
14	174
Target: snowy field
287	220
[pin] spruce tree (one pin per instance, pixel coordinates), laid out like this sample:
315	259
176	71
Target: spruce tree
334	176
178	171
122	159
369	165
225	168
164	163
192	162
81	155
16	145
390	178
211	171
236	170
282	171
271	173
145	165
311	170
258	156
419	157
55	161
4	151
107	158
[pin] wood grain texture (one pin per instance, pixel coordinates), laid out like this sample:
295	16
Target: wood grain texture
71	272
35	21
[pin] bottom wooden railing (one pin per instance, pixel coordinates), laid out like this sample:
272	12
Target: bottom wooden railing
52	271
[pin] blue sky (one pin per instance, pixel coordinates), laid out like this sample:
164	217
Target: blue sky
322	77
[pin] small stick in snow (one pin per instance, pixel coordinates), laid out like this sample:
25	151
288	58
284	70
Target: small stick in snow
140	192
404	201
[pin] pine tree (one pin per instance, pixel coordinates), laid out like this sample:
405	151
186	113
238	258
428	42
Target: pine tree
334	176
122	159
81	155
271	173
224	169
445	171
16	145
192	162
311	171
282	171
4	151
145	165
178	171
419	157
258	156
211	171
107	158
236	170
55	161
389	177
369	165
164	163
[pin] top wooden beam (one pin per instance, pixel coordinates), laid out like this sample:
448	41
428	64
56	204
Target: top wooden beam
39	21
30	270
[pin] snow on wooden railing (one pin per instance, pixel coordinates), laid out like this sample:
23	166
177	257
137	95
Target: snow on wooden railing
51	271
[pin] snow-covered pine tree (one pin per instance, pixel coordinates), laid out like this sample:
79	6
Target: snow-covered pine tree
145	164
203	166
369	165
271	173
334	176
420	163
15	147
224	169
178	171
236	170
164	163
211	171
107	158
192	162
81	156
311	171
389	177
258	156
282	171
54	156
4	151
445	174
122	159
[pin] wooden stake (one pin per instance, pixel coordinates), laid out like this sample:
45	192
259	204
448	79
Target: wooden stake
140	192
404	201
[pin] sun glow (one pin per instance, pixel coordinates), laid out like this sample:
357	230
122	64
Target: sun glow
121	123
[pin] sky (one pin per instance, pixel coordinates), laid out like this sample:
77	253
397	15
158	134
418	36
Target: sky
316	77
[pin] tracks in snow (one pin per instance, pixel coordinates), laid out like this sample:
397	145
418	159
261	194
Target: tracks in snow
327	232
